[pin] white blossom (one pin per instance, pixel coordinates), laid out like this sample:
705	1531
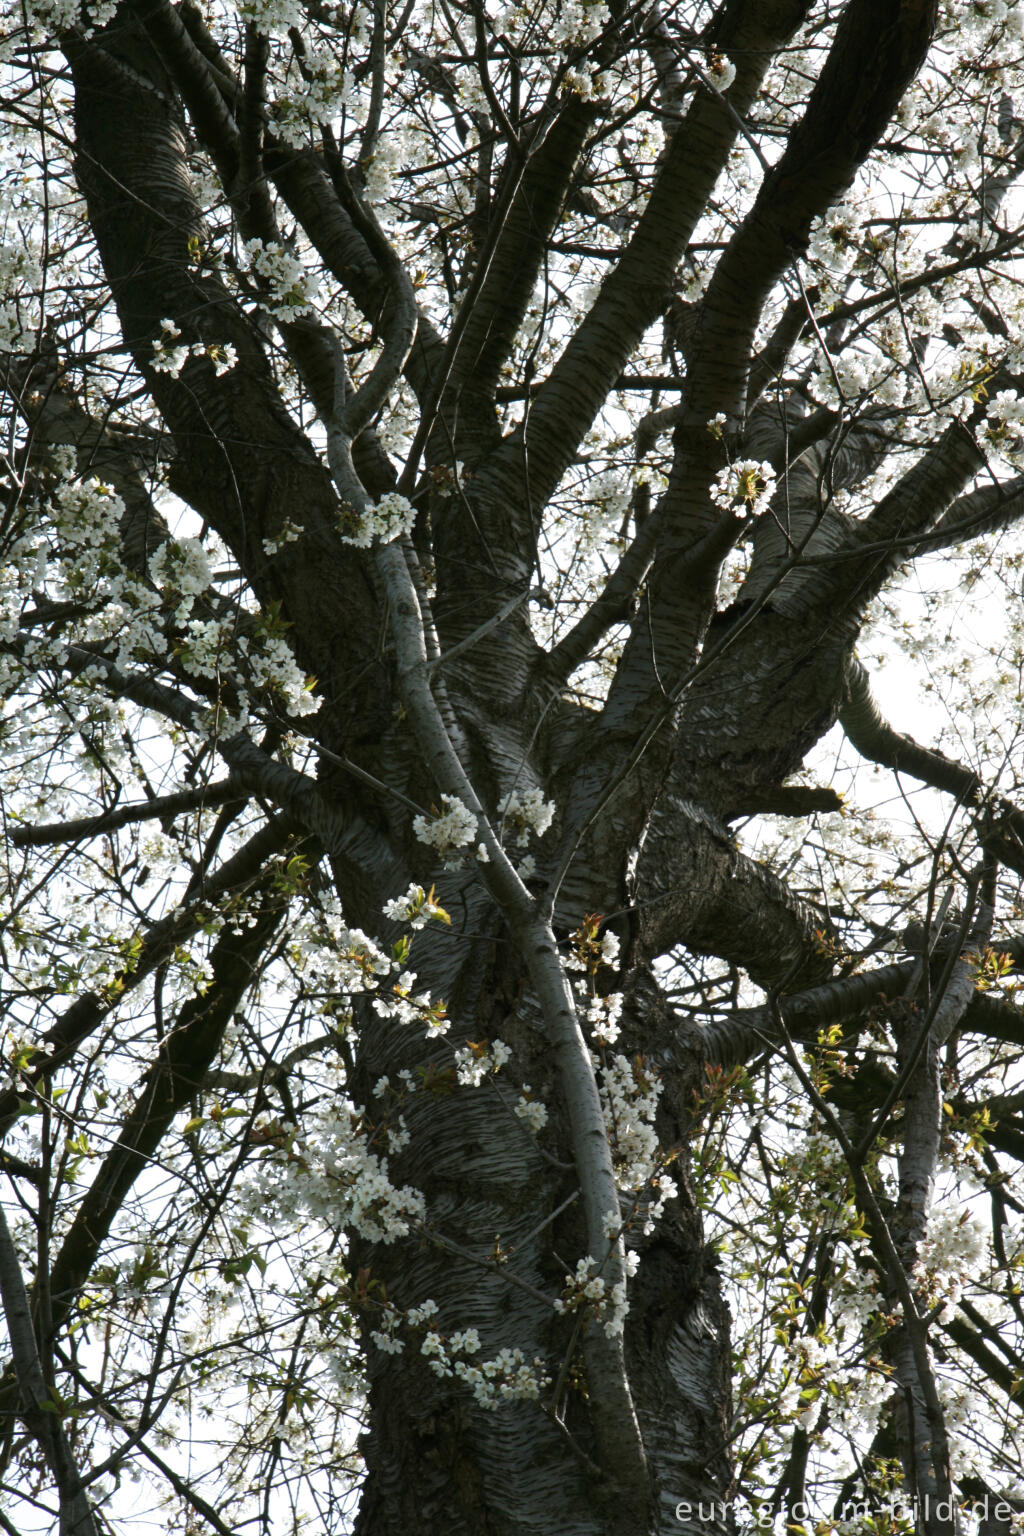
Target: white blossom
169	355
586	1290
416	908
466	1342
475	1062
746	486
290	288
531	1111
272	17
181	569
20	280
526	811
602	1015
419	1314
222	355
450	830
389	518
610	947
721	72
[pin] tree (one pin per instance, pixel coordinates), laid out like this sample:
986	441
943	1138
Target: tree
468	1070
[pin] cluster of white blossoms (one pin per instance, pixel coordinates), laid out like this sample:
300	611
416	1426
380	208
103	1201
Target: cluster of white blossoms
812	1359
570	25
475	1062
746	486
586	1291
52	16
213	649
590	952
526	812
1004	425
859	1397
531	1111
387	1337
587	84
290	533
324	90
86	516
602	1015
272	665
953	1254
405	1006
508	1377
133	622
76	558
170	354
221	354
20	279
1006	405
448	832
272	17
334	1175
505	1378
629	1098
416	908
833	244
721	72
389	518
604	506
855	376
380	168
290	289
347	963
204	644
180	568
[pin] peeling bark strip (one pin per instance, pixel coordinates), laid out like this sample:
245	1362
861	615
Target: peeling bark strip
615	1143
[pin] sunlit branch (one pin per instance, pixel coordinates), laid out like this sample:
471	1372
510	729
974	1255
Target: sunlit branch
615	1418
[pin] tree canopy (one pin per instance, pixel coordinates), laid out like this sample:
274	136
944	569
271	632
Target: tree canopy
512	650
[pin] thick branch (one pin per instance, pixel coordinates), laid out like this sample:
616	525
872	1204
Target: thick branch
161	806
878	742
636	291
727	1040
174	1078
875	55
37	1406
132	167
517	254
614	1417
235	876
916	502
